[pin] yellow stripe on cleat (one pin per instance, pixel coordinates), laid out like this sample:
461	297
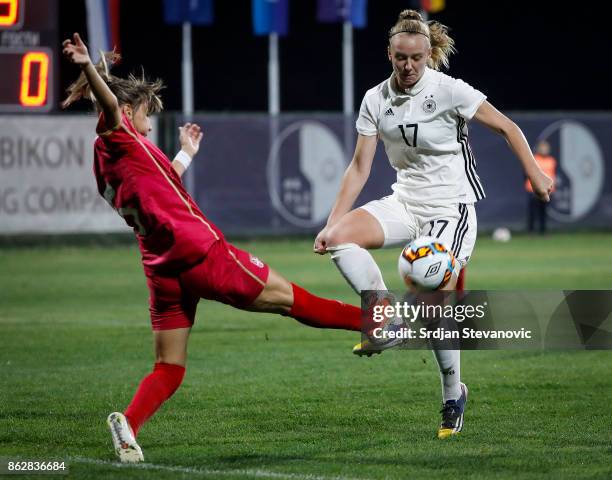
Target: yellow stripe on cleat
363	348
446	432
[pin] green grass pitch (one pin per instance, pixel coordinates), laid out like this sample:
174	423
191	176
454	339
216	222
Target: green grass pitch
265	397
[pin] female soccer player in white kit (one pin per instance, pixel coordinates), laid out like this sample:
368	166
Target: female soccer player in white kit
421	116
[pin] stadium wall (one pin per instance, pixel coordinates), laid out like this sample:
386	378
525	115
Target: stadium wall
261	176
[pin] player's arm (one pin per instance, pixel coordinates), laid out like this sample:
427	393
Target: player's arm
190	136
355	177
76	51
492	118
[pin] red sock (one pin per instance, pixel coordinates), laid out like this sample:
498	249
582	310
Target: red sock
461	280
154	389
323	313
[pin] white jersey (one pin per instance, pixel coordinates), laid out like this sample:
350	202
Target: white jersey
424	131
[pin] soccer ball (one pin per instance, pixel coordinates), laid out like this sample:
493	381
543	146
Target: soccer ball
426	263
502	234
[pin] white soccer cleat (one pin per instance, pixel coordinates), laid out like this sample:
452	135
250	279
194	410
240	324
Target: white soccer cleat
124	442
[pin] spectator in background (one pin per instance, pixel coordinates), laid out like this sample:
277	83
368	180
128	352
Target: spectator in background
537	207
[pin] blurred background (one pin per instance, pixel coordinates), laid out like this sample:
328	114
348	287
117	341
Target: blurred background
276	84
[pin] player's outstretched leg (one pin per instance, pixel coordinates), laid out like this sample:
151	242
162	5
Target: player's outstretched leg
240	279
289	299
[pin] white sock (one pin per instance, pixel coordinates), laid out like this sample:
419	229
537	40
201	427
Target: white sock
449	362
357	267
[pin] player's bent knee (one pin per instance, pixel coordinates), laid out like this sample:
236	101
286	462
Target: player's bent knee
177	360
359	227
276	297
336	236
171	346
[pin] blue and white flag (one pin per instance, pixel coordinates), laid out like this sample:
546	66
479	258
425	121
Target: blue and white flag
270	16
102	27
196	12
354	11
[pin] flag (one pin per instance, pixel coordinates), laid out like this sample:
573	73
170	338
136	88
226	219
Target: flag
102	27
354	11
270	16
196	12
433	6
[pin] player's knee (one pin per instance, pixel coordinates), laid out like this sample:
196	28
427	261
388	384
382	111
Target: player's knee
337	237
171	355
171	359
171	346
276	297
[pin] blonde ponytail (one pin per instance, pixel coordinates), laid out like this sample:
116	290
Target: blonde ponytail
80	88
134	91
442	45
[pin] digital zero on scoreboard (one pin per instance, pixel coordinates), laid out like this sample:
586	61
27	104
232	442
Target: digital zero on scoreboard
26	83
28	50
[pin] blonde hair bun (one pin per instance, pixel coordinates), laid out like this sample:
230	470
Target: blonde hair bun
409	15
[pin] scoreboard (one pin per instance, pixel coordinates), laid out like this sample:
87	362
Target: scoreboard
28	55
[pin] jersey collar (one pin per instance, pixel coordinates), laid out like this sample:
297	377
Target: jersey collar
411	92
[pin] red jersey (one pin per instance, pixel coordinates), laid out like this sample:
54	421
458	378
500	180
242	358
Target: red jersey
139	182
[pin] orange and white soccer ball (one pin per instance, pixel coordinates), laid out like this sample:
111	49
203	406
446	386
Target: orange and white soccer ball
426	263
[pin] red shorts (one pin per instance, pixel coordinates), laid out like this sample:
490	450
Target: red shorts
227	275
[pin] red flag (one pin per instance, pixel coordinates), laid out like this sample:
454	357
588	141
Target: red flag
433	6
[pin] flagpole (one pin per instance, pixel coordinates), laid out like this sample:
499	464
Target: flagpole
347	67
187	80
273	99
347	86
273	75
187	70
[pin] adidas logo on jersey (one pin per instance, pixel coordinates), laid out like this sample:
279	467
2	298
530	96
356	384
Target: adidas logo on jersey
389	113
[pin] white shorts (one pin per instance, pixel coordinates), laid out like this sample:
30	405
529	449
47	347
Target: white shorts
454	224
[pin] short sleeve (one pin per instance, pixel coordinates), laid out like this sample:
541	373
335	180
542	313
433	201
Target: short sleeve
102	129
367	123
466	99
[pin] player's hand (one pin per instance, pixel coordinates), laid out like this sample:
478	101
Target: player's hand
76	51
542	185
320	243
190	136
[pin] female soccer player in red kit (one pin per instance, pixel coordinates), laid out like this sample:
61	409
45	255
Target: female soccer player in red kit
185	256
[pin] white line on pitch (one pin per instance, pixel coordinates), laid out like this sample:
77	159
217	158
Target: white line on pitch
207	471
